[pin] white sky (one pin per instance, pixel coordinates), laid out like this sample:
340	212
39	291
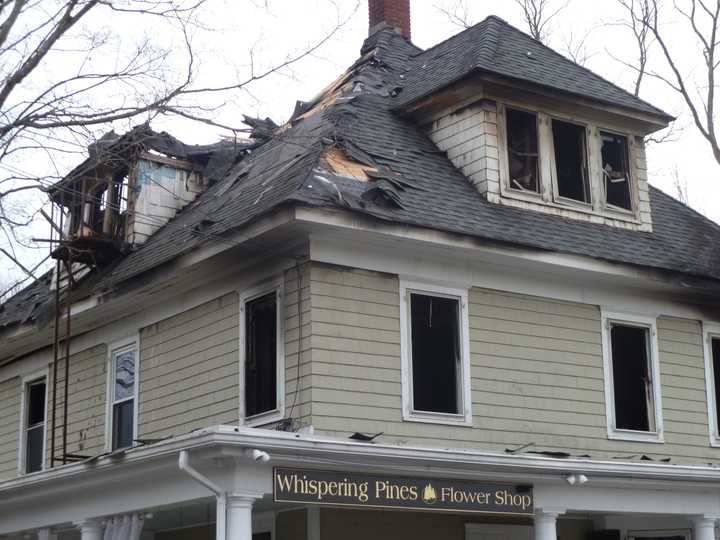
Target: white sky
287	26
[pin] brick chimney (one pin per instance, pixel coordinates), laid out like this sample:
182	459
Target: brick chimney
395	13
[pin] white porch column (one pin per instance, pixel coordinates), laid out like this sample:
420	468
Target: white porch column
704	527
90	529
313	523
546	524
239	517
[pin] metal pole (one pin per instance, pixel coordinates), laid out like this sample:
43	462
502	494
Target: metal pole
67	355
56	344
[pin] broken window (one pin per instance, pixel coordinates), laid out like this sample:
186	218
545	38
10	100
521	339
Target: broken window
435	353
715	352
34	425
632	377
261	365
123	397
522	145
616	170
571	161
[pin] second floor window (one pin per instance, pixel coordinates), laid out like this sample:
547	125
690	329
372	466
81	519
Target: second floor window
631	375
571	163
436	376
713	351
122	389
261	355
34	425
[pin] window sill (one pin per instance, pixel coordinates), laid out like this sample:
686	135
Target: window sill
438	418
636	436
263	418
568	205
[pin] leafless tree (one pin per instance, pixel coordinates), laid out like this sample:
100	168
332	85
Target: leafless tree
701	18
65	77
457	12
575	46
538	15
639	17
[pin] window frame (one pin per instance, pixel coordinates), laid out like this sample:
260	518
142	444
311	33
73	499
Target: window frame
556	197
25	381
113	350
608	208
503	149
277	286
710	331
464	418
639	321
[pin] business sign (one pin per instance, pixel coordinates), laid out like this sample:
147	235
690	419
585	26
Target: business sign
379	491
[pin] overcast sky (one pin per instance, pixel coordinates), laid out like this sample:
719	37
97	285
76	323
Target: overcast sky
274	29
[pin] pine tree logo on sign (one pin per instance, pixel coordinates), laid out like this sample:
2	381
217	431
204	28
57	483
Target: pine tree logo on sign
429	495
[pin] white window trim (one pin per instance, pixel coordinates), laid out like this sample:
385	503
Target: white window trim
631	319
24	381
557	198
632	174
465	417
278	286
548	196
506	190
711	330
113	348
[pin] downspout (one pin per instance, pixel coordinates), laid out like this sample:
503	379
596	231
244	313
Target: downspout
221	514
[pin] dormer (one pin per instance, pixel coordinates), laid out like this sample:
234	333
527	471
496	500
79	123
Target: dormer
533	130
128	187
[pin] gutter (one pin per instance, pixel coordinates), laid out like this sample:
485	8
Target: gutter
184	465
294	448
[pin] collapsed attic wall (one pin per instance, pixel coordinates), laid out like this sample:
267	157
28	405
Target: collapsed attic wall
160	190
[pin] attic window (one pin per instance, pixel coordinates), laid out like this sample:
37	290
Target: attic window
616	170
522	146
571	162
631	374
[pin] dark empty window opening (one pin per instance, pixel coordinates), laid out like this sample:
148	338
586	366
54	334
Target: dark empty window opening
616	170
632	378
261	355
715	351
571	161
34	425
123	389
522	144
435	349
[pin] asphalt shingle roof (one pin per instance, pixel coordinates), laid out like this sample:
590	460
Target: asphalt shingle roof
410	182
494	46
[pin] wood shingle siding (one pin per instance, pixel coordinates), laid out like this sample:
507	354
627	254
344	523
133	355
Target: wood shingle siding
189	370
10	391
536	372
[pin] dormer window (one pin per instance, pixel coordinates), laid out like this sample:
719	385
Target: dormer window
571	161
522	148
616	170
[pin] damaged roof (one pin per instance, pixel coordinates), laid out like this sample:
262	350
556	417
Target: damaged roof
494	46
350	150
